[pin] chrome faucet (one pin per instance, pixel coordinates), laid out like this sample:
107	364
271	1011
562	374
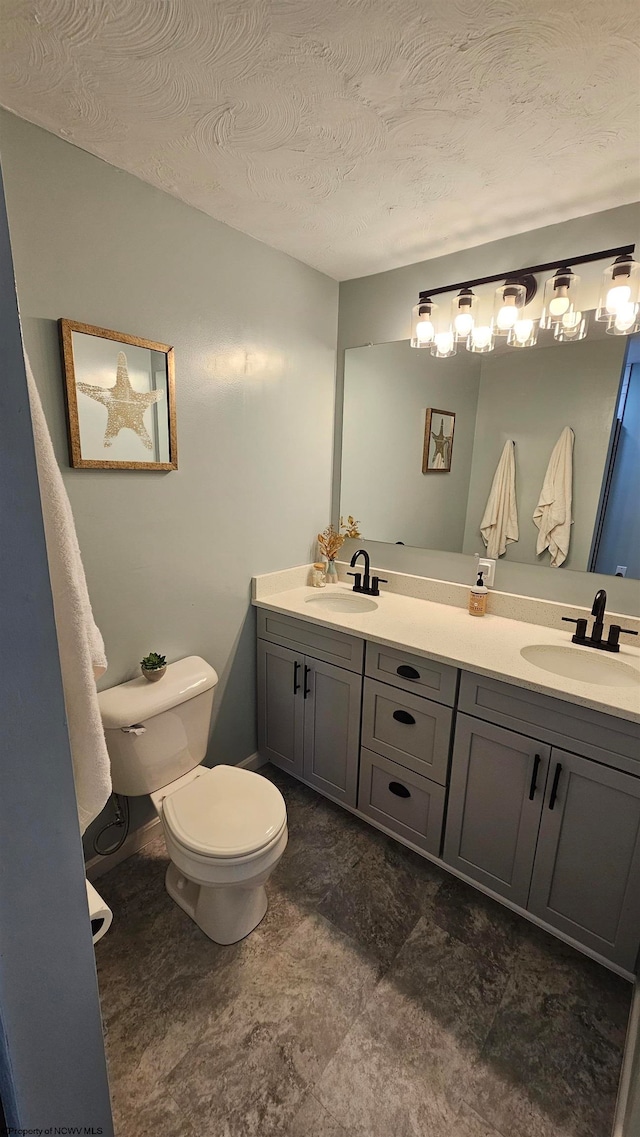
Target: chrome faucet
598	612
365	584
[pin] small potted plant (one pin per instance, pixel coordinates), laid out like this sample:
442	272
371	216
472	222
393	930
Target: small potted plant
153	666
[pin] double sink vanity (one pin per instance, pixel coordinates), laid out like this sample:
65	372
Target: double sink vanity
493	746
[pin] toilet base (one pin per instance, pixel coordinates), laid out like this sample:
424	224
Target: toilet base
226	914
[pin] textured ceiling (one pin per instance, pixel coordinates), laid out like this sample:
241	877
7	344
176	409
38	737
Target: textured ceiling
357	135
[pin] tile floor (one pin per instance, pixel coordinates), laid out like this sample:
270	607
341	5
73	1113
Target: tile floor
379	997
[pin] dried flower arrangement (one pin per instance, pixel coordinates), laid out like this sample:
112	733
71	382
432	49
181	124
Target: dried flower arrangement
350	527
330	542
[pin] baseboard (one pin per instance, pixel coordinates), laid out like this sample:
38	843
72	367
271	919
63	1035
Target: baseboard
99	865
253	762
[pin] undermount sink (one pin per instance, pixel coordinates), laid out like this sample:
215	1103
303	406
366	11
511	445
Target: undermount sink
342	602
588	665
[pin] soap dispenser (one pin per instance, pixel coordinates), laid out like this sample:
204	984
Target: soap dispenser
478	597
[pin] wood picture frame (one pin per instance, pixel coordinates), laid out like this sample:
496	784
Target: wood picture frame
438	443
115	413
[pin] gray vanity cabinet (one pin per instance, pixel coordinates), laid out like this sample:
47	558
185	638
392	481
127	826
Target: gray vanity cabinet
495	800
332	730
586	877
309	719
280	710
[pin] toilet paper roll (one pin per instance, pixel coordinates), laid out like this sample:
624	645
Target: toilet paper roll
100	913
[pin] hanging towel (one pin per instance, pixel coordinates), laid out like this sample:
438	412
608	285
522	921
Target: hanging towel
80	645
499	525
552	514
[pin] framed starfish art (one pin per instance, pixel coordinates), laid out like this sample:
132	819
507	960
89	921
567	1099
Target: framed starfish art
438	441
120	400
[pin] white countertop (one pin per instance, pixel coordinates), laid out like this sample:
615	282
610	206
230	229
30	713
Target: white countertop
489	645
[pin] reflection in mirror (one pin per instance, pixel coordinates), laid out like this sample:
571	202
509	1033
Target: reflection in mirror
393	430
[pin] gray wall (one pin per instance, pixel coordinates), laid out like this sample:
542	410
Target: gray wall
377	309
530	400
387	390
52	1065
169	556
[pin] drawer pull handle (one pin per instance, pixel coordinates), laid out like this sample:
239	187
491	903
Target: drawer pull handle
534	777
554	788
407	672
307	689
296	685
399	790
405	717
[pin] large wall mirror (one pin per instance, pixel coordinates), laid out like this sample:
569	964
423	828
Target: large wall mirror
422	439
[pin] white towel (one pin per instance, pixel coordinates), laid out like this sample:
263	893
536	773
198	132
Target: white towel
552	514
499	525
80	645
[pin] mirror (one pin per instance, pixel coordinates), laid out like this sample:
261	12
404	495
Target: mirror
422	439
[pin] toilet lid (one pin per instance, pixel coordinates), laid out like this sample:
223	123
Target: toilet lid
227	812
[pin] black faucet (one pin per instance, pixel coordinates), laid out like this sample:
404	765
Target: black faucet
598	611
370	587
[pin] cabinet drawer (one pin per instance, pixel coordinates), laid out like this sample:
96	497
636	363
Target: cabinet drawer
402	801
321	643
407	728
412	673
613	741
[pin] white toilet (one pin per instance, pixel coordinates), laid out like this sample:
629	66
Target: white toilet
225	828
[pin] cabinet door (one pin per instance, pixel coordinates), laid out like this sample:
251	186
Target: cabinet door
586	878
332	729
495	800
280	706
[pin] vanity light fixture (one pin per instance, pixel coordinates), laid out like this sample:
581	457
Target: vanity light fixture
524	333
560	295
620	292
562	312
444	344
422	323
463	309
509	301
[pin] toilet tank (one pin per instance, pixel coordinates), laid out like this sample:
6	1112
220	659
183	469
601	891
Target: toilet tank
156	732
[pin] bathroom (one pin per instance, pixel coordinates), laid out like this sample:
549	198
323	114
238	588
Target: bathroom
267	188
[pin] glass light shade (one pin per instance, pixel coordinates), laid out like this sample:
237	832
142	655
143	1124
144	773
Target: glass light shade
463	309
626	322
620	287
572	327
444	344
560	297
423	323
524	333
509	301
481	338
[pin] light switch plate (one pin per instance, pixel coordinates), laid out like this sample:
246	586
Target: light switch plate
487	567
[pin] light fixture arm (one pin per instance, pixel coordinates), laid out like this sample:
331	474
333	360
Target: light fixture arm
519	276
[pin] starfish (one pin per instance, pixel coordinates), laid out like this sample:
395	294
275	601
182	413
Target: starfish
441	442
125	407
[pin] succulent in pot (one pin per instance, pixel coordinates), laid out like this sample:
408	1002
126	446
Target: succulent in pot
153	666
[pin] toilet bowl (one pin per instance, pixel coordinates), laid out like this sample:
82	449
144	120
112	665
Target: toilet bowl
225	832
225	828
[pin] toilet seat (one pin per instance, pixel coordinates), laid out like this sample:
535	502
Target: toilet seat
227	813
